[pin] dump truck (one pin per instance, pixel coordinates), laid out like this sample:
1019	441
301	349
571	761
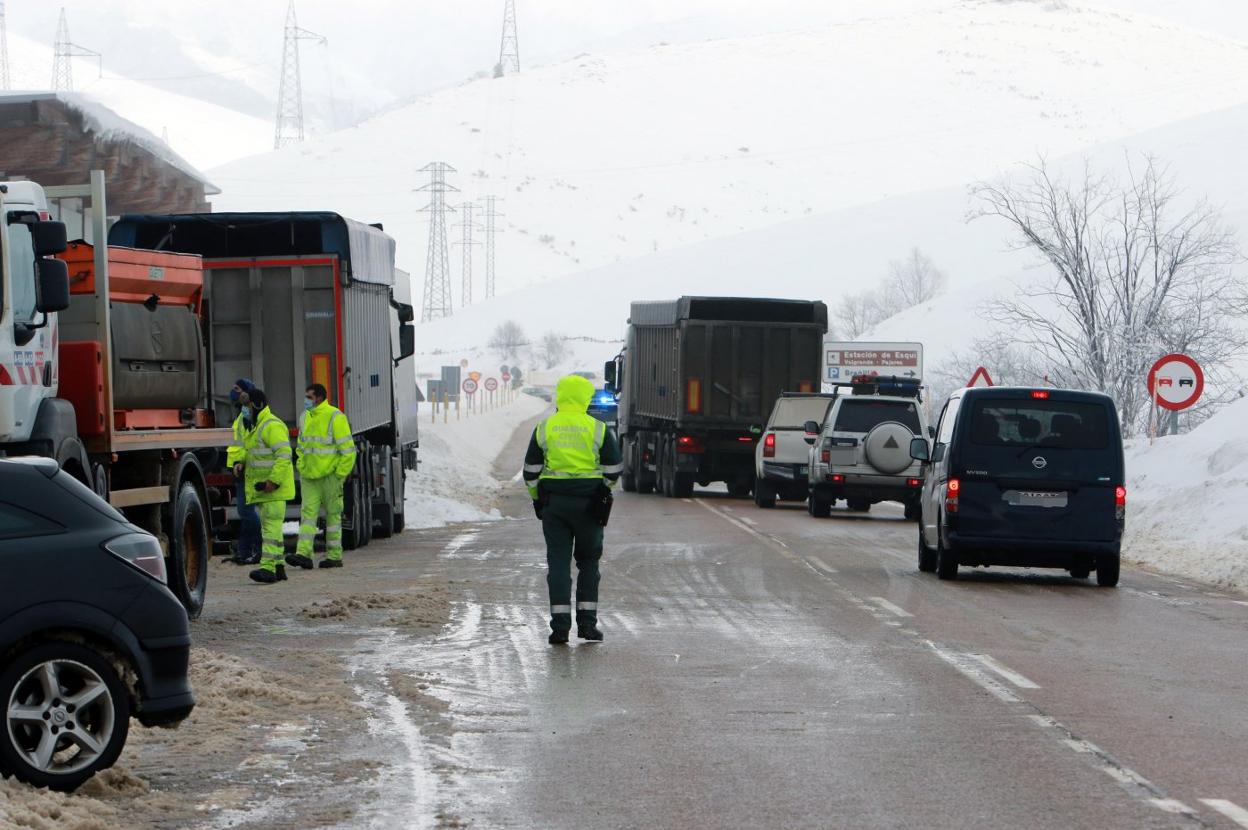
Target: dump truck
102	369
697	379
295	298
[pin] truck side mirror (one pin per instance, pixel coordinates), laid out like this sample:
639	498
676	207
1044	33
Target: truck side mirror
608	374
919	449
407	341
48	238
52	284
812	430
405	312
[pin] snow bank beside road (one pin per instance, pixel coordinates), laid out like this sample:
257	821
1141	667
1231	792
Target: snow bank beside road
454	482
1186	501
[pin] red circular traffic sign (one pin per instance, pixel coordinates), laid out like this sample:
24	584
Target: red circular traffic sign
470	386
1175	382
506	376
490	384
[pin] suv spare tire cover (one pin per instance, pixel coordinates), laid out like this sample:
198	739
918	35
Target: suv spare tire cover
888	447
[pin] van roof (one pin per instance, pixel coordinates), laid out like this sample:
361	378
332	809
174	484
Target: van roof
1014	392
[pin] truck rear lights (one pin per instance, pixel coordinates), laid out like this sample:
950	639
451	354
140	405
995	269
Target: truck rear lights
689	444
914	482
141	551
952	490
805	387
1040	394
693	395
769	445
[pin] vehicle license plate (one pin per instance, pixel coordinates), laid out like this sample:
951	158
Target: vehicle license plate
1034	498
801	469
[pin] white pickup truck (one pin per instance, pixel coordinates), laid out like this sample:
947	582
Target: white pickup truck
783	451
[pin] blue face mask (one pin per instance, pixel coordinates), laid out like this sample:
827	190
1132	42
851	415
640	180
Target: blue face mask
308	403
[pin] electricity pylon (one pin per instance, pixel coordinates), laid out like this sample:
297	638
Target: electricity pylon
290	93
437	298
63	53
491	228
509	51
468	225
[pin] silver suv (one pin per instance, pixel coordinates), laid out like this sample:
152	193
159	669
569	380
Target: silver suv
862	454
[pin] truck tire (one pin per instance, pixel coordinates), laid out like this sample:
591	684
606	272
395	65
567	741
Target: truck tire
189	548
764	494
352	519
818	506
400	501
628	478
682	485
383	511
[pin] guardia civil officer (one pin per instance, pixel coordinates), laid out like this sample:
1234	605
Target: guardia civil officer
572	463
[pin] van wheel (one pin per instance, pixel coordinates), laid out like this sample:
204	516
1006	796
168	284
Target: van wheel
927	556
1107	568
1080	573
764	494
66	715
946	560
189	550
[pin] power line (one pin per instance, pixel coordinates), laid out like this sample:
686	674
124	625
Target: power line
491	228
468	225
509	50
290	92
64	51
437	298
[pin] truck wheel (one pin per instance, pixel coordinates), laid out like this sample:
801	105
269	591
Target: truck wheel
739	489
66	715
189	549
682	485
764	494
1107	568
353	522
99	480
818	506
384	511
366	498
400	501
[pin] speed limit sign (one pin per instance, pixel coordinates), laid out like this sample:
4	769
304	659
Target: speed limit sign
470	386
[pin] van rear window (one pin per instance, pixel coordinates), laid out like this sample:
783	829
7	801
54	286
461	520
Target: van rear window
864	415
1034	423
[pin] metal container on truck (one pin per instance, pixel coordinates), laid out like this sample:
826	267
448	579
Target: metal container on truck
298	298
697	379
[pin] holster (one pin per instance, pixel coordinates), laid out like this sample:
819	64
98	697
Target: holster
600	504
543	494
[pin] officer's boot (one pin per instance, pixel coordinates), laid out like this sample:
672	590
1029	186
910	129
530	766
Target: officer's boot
560	625
589	632
267	577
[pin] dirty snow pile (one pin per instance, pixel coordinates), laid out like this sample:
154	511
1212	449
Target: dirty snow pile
1186	500
454	482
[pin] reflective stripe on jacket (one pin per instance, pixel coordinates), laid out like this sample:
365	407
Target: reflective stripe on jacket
269	459
326	446
236	453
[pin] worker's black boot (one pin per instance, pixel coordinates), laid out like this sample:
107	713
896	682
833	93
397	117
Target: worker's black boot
245	559
330	563
267	577
296	560
558	638
589	632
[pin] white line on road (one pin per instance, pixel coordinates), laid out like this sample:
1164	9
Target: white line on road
822	568
1004	671
749	522
960	662
1239	602
890	608
1229	809
1173	805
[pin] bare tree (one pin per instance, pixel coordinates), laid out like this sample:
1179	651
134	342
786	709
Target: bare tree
914	280
856	313
1134	276
553	350
507	339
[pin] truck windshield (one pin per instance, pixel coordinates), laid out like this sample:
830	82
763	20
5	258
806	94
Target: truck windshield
1035	423
793	413
20	270
864	415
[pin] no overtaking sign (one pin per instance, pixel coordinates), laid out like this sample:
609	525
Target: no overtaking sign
1176	382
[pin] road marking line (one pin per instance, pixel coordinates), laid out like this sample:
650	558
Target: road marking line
1239	602
1172	805
1079	746
1229	809
819	566
749	521
1004	671
890	608
1123	775
959	662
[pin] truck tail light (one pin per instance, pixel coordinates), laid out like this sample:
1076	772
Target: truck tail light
953	489
141	551
689	444
769	445
1120	502
805	387
693	395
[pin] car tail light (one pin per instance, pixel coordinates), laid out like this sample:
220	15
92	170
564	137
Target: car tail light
687	443
1040	394
914	482
836	478
952	490
693	395
1120	502
646	457
745	439
769	445
825	456
141	551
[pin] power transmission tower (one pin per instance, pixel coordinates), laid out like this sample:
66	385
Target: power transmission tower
290	93
509	51
5	82
63	53
437	299
468	225
491	228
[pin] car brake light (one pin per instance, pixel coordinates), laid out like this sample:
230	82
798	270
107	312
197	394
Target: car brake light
952	490
141	551
914	482
745	439
687	443
1040	394
1120	497
769	445
836	478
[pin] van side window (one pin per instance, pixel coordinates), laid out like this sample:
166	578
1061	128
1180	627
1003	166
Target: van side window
947	419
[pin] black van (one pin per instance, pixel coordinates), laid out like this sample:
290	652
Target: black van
1025	477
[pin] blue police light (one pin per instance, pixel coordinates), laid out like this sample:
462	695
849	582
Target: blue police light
604	398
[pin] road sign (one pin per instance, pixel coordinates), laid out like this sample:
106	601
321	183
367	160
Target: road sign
490	384
1176	382
463	364
842	361
506	376
476	376
470	386
980	378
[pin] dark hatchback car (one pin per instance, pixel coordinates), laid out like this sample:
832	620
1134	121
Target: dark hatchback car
1024	477
89	634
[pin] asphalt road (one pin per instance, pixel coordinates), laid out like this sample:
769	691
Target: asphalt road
768	669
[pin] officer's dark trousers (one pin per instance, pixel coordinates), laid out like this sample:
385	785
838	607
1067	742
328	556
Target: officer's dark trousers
571	534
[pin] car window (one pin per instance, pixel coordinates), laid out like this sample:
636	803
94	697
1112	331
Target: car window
793	413
865	415
1037	423
18	523
947	421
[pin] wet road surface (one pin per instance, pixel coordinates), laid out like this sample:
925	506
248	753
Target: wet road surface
768	669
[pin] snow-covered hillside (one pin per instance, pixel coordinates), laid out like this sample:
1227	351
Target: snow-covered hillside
610	157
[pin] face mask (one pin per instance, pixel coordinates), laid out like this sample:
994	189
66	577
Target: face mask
248	415
308	403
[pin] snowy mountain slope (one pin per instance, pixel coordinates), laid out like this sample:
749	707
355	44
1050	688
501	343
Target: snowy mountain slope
205	134
610	157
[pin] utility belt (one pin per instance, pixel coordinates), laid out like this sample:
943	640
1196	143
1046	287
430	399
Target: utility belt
598	506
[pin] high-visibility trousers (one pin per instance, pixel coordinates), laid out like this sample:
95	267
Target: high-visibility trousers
272	515
315	493
571	534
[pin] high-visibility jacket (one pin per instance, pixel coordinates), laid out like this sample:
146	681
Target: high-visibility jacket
325	443
268	458
571	445
235	453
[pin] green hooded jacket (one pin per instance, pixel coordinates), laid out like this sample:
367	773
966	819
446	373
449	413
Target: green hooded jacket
571	452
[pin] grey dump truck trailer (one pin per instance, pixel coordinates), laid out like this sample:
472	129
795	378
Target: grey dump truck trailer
698	377
292	299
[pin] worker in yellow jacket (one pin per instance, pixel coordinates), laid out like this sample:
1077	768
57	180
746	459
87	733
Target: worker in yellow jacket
326	458
269	477
249	540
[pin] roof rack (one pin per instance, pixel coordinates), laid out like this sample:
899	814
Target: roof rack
887	385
